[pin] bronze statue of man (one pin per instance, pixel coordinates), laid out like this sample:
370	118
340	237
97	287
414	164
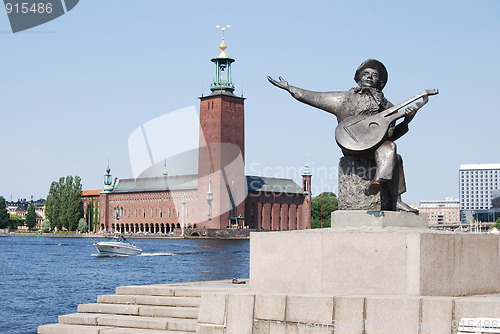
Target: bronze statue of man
366	99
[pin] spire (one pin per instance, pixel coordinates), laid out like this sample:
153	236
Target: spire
210	198
306	172
306	179
108	183
222	77
222	45
209	192
165	171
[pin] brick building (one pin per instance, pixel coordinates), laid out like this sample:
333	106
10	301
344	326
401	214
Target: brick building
21	206
220	196
445	211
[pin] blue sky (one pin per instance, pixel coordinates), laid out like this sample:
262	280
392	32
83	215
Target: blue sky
74	89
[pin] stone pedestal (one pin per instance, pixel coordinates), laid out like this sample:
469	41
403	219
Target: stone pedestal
358	218
375	260
355	173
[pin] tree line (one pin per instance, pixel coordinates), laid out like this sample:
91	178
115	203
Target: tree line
6	220
63	207
322	207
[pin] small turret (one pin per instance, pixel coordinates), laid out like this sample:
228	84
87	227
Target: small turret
306	179
108	182
222	78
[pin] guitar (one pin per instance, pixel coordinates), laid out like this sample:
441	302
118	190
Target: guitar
361	133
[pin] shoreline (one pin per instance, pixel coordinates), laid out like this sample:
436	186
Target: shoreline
105	236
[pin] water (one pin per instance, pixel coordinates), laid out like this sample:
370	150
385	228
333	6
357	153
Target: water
42	278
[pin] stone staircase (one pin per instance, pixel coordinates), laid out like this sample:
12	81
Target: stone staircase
142	309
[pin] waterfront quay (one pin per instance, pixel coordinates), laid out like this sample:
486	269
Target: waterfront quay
391	275
219	307
192	234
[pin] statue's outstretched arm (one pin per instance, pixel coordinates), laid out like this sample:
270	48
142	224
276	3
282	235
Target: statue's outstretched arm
328	101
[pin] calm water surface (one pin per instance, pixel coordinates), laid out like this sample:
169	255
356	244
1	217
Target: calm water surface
42	278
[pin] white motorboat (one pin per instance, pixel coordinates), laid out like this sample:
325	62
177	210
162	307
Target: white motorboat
117	246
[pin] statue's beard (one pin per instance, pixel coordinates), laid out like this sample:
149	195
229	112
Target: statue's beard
376	97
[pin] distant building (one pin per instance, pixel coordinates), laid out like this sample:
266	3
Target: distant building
21	206
445	211
495	199
477	184
220	196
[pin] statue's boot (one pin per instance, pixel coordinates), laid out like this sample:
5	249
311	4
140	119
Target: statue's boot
402	206
373	187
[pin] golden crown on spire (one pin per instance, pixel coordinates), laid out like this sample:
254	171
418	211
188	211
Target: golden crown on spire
223	45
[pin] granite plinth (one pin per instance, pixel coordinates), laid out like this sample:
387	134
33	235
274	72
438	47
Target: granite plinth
374	260
352	218
355	173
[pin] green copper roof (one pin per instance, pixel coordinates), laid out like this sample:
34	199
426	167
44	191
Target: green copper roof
160	183
306	172
271	184
190	182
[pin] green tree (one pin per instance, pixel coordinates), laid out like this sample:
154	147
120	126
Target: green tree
16	220
95	220
64	203
45	226
82	226
497	225
4	215
92	215
31	217
322	207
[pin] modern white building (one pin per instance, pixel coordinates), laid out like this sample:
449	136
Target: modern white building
477	183
445	211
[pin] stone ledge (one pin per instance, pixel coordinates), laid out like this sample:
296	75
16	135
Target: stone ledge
374	260
377	218
346	314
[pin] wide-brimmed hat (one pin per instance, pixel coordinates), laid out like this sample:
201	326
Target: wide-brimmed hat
373	63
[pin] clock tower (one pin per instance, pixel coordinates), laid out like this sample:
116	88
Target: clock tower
222	148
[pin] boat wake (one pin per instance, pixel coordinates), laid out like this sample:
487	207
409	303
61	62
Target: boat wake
157	254
143	254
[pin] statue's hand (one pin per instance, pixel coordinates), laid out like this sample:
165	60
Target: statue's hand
283	84
411	111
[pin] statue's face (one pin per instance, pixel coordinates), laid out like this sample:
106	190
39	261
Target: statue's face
369	78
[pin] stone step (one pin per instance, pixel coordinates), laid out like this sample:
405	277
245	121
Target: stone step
78	329
164	290
71	329
141	310
148	290
141	331
150	300
129	321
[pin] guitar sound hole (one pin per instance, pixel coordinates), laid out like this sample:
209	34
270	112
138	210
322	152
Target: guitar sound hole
373	125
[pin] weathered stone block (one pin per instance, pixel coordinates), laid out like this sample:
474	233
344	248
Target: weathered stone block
270	307
389	314
261	327
437	314
477	307
240	313
348	315
348	218
278	328
376	261
310	309
206	329
355	173
213	308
